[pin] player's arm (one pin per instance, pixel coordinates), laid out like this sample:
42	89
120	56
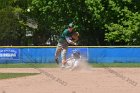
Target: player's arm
70	41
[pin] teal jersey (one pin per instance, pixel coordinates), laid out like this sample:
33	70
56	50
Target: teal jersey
64	35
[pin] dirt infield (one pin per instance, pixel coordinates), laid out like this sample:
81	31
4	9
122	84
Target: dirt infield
56	80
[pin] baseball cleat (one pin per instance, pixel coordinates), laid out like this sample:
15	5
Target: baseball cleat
56	60
63	66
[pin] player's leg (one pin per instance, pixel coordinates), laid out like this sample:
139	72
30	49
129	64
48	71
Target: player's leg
75	64
69	63
63	55
57	53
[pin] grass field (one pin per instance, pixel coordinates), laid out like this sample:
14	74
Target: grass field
120	65
53	65
15	75
28	65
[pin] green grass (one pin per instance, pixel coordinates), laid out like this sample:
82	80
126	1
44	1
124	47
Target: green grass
53	65
28	65
123	65
15	75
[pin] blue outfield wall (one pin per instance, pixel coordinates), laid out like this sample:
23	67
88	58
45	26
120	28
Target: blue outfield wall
92	54
114	55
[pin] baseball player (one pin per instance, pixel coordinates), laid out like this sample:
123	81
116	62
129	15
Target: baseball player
73	61
67	37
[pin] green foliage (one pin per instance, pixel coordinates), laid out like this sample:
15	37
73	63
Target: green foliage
126	28
119	20
99	22
8	25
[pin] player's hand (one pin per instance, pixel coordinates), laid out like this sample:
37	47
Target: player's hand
75	44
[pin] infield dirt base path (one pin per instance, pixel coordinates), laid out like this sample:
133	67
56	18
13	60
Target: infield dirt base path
56	80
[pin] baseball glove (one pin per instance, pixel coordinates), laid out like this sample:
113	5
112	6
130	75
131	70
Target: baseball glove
75	36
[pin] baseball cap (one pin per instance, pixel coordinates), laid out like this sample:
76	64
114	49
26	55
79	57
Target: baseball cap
71	25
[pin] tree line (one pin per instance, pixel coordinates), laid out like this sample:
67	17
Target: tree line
99	22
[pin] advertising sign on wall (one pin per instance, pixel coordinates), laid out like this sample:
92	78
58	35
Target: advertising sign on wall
9	53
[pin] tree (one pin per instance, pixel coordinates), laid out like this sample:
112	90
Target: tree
125	31
118	19
99	22
8	24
